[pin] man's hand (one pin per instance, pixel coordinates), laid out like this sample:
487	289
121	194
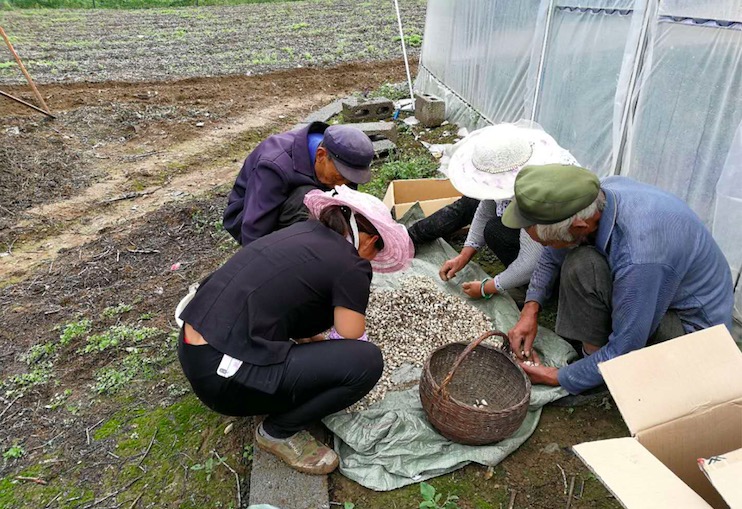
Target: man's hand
522	335
539	374
451	267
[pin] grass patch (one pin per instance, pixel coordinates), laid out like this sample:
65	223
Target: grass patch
415	167
112	311
118	335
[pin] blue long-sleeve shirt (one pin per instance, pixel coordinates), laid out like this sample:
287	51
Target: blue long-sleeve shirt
661	257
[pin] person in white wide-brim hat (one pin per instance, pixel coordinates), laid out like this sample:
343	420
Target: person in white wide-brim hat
483	167
253	342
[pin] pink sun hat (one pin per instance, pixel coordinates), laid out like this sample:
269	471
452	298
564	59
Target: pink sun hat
398	249
485	163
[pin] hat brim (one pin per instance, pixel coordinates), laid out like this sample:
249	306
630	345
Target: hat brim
513	218
355	174
398	248
500	186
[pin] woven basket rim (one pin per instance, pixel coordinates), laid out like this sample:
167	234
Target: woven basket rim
436	387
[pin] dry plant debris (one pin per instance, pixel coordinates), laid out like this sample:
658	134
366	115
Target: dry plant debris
408	323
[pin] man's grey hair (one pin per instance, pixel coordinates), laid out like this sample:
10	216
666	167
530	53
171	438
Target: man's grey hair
560	231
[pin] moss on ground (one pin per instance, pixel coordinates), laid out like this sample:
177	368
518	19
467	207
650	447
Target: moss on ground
157	449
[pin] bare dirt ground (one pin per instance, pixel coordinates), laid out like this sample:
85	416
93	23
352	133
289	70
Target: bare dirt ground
108	213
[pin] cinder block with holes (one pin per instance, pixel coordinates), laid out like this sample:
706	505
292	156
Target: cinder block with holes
429	110
367	110
379	130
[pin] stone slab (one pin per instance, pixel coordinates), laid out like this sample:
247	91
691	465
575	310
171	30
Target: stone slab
326	113
273	482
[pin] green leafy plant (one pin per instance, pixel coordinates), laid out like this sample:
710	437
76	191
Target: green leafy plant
117	335
15	452
74	330
112	311
348	505
207	466
417	167
111	379
247	452
431	499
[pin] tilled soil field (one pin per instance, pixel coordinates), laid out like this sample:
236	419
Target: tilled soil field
165	44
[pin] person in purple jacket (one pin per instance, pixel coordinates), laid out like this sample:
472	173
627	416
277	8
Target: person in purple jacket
635	265
269	191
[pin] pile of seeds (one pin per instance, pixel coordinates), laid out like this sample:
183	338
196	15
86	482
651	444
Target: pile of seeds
407	324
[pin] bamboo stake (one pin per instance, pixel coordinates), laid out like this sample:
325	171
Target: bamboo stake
26	104
23	69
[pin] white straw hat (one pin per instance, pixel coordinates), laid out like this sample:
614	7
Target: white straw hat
485	163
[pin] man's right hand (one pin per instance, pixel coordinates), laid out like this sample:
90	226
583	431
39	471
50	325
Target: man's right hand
451	267
524	333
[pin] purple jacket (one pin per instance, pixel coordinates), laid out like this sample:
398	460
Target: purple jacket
276	167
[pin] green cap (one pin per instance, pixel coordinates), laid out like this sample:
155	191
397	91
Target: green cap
549	194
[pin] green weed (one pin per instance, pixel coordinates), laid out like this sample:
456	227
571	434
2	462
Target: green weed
15	452
111	379
411	40
117	335
431	499
74	330
58	399
299	26
208	466
112	311
397	169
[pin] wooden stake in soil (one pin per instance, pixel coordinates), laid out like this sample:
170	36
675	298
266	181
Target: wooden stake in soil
26	104
24	71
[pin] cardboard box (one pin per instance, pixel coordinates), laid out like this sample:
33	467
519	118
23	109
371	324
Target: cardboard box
432	194
725	473
682	400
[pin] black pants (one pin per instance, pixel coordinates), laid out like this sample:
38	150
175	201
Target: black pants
503	241
585	302
317	379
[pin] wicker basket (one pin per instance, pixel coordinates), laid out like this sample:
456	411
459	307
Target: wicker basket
482	372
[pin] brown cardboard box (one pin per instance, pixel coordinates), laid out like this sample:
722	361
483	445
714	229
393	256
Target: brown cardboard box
682	400
432	194
725	473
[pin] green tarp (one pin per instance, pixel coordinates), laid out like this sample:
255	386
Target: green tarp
391	444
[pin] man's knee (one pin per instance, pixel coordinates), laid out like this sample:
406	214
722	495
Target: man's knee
583	265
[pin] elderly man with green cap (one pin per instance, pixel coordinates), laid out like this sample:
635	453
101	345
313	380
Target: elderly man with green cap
635	266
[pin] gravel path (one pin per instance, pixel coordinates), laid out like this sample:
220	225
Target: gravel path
166	44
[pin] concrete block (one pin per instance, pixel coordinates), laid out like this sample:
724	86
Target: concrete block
367	110
379	130
326	113
384	148
429	110
273	482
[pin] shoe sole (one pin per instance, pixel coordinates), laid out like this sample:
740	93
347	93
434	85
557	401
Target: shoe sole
304	470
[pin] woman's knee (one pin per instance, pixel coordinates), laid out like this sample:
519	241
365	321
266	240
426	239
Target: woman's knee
367	363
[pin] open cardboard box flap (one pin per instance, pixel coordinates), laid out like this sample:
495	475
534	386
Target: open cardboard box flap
725	473
682	400
688	375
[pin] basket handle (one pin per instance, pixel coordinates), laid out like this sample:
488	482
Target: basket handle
468	349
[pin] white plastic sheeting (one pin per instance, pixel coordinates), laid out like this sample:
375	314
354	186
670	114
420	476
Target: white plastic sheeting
728	216
651	89
476	55
576	88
